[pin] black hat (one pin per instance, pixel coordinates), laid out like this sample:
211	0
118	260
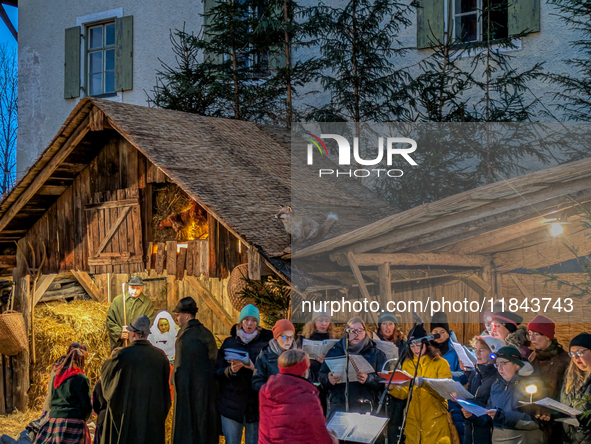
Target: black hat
439	319
581	340
510	353
140	325
509	319
186	305
136	281
417	332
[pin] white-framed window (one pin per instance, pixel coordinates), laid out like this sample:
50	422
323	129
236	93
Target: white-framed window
477	20
100	58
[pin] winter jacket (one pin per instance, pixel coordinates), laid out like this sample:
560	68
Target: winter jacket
551	364
581	434
426	421
512	425
520	340
266	364
478	429
237	400
290	412
71	399
357	391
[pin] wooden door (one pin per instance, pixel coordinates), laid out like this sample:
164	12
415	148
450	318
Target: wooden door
114	232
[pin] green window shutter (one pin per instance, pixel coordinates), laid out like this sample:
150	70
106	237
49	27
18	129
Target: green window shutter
430	23
124	53
524	16
207	6
72	63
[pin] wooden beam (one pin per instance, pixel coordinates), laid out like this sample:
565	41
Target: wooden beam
421	259
480	282
112	204
171	291
87	284
45	173
42	285
211	302
112	231
254	264
8	260
351	258
520	286
385	280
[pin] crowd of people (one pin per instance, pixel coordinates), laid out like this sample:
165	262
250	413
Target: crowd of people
260	386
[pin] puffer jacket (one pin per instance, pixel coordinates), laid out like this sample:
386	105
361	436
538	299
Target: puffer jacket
551	364
426	420
290	412
371	390
478	429
237	399
512	424
581	434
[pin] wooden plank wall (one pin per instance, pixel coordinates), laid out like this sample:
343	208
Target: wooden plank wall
192	257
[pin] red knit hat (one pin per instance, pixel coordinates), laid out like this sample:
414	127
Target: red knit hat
543	325
282	325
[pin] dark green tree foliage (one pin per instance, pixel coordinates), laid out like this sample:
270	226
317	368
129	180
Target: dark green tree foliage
574	93
359	42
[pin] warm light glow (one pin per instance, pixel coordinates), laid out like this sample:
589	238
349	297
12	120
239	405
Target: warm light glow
531	389
239	247
179	246
556	229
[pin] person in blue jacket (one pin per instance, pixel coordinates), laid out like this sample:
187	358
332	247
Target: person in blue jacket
440	326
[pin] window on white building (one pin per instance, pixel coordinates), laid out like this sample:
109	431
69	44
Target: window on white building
100	56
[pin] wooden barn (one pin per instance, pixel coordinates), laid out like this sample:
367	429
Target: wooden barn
185	201
480	245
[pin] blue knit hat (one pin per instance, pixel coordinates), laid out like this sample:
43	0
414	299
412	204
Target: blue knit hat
250	310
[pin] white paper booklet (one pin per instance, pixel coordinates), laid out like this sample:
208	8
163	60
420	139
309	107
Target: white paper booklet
555	405
462	354
389	349
318	349
448	388
355	427
357	363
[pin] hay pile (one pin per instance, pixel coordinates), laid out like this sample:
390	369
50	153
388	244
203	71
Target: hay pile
57	325
13	424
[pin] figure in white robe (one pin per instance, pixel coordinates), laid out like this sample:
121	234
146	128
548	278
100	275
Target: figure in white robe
163	334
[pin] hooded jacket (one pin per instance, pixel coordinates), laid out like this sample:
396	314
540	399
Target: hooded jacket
237	399
582	434
478	429
551	363
520	340
368	391
291	413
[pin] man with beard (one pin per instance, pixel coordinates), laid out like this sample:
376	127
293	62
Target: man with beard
195	418
135	386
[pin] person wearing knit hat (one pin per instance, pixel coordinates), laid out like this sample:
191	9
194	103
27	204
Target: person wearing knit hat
426	420
548	357
505	322
440	326
238	403
517	384
577	387
388	329
266	363
289	405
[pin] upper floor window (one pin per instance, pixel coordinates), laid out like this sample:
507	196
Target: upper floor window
101	59
480	20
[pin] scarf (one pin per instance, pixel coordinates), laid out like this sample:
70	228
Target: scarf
275	348
443	348
356	349
553	349
246	337
61	378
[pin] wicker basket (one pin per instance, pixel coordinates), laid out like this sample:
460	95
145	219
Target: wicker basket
13	333
236	284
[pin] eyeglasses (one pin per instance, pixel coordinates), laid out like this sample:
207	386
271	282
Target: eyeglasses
287	338
533	335
501	363
577	354
358	331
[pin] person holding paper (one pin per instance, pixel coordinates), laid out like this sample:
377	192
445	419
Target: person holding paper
440	326
290	410
478	429
238	402
365	390
576	389
266	363
506	327
426	420
513	425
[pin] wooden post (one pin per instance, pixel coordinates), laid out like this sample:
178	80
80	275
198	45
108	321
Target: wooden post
2	392
171	292
385	284
254	264
21	361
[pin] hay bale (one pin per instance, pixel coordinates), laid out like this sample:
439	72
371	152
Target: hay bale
57	325
13	424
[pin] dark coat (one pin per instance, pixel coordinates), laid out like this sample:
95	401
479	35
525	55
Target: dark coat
265	366
99	405
291	412
551	364
135	385
478	429
371	390
582	434
71	399
195	391
237	399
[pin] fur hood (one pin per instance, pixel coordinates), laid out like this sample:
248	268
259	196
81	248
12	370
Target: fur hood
518	338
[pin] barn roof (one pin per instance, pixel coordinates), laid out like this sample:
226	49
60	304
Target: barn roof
239	171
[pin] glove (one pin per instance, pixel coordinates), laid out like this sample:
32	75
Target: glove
419	381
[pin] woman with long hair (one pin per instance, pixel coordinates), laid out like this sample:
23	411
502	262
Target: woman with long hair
576	389
426	419
70	405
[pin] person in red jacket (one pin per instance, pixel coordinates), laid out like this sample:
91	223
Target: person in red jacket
290	411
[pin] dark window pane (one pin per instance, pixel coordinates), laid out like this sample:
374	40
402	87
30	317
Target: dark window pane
466	6
96	62
96	84
95	37
109	82
496	16
110	60
109	34
467	28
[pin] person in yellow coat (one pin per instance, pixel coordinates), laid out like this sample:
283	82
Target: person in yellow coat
426	421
